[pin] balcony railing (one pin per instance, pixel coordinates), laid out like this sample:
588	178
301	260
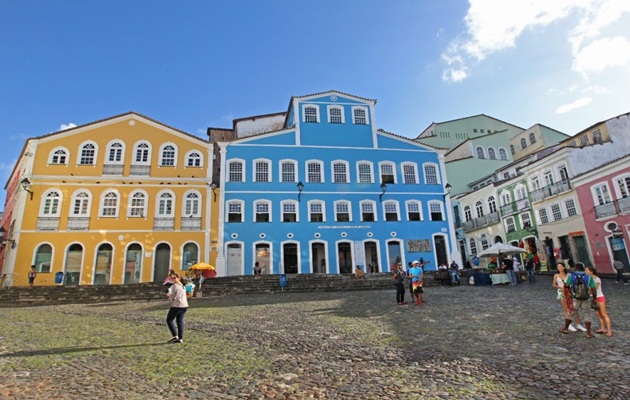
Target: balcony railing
47	223
112	169
549	191
78	223
480	222
140	170
191	223
163	223
619	206
515	207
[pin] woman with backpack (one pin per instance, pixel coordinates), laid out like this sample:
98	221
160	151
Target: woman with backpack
558	283
605	326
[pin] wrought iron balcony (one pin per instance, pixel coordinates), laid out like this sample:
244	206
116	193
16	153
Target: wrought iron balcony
47	223
112	169
515	207
78	223
619	206
480	222
140	170
163	223
549	191
191	223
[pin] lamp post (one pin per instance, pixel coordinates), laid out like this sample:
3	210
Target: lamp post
25	185
213	187
300	187
383	190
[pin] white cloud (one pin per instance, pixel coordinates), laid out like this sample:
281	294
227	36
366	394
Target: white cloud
63	127
492	26
600	54
575	105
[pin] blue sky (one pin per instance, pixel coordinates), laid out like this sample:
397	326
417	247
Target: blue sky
194	64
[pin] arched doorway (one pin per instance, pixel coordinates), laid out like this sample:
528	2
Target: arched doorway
263	257
370	250
344	255
290	258
103	266
74	260
190	255
162	262
234	259
394	253
43	258
318	258
133	264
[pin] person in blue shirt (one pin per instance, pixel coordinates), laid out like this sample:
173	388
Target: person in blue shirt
417	275
583	308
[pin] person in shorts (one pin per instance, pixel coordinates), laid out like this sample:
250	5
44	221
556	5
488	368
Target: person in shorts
32	274
582	308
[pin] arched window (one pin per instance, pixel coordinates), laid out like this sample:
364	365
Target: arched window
484	241
364	172
194	159
314	171
431	174
58	156
502	154
262	211
190	255
165	204
311	113
43	258
480	153
336	115
492	204
289	210
414	210
109	204
435	211
288	171
492	154
262	171
191	205
52	204
340	172
235	211
115	153
137	204
532	138
87	154
343	211
359	116
512	149
467	214
103	266
316	211
479	209
368	210
235	171
168	155
523	144
80	204
473	246
142	153
390	209
410	176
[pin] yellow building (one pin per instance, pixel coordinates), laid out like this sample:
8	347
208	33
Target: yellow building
117	201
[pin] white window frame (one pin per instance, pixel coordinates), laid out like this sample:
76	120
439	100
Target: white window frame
241	207
372	205
492	204
190	157
408	176
472	246
229	173
483	239
135	211
417	204
467	214
333	172
53	154
330	116
85	203
104	198
388	204
480	152
115	146
165	204
343	203
94	156
355	120
292	203
51	203
438	180
510	222
316	107
261	161
136	148
370	171
380	171
293	163
506	198
502	154
262	202
189	208
572	209
543	216
526	218
311	203
479	209
441	205
163	158
492	153
556	211
601	189
622	186
321	171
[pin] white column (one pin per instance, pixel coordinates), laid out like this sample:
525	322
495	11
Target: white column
221	266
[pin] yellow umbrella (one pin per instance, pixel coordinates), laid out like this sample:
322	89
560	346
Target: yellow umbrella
201	266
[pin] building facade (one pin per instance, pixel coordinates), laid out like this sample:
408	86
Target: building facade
116	201
329	191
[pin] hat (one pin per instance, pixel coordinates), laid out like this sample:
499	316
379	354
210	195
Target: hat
415	262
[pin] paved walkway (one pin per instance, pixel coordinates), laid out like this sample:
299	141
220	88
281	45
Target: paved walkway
491	342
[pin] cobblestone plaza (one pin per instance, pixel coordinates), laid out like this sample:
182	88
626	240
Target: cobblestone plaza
467	342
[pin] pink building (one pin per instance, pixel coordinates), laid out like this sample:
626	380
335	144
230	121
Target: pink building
604	196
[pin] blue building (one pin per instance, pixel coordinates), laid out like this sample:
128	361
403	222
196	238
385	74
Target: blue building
327	191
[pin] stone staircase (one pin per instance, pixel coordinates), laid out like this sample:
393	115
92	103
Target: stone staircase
231	285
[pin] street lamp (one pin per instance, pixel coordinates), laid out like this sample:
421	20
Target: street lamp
25	185
383	190
213	187
300	187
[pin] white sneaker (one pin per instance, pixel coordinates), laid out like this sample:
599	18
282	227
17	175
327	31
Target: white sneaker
580	328
572	328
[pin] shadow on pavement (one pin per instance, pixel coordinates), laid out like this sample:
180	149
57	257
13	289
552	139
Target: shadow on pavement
62	350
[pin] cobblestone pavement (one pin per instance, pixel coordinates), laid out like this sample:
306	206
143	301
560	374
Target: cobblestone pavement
467	342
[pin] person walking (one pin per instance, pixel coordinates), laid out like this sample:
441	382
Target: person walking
399	280
32	274
605	326
584	298
179	305
564	292
618	267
